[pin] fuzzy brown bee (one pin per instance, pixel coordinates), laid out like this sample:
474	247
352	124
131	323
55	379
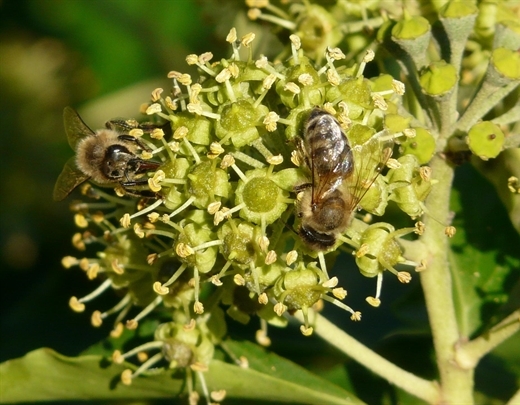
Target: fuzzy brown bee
105	156
337	183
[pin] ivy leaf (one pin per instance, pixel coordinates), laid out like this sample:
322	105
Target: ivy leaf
283	376
484	256
44	375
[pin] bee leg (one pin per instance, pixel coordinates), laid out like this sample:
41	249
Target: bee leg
133	139
146	127
129	187
302	187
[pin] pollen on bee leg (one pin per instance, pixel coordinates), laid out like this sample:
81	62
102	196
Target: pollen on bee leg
120	191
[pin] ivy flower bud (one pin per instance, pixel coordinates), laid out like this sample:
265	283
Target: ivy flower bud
239	122
422	146
262	200
485	139
439	79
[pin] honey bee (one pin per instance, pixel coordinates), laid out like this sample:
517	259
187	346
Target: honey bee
105	156
336	185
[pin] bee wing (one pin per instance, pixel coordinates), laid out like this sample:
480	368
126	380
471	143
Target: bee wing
75	127
69	178
334	165
370	159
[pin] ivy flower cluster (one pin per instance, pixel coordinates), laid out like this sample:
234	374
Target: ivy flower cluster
219	236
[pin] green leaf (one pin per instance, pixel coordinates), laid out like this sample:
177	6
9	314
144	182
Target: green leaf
286	381
44	375
484	254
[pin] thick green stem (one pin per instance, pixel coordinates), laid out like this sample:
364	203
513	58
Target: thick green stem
456	383
423	389
470	353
